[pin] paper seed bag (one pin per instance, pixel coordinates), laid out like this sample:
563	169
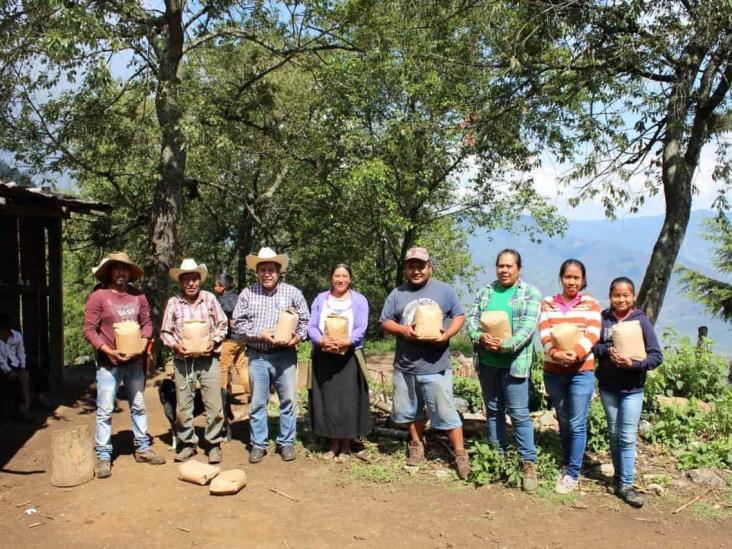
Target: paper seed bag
196	337
428	321
228	482
495	323
565	336
336	326
128	338
286	326
628	340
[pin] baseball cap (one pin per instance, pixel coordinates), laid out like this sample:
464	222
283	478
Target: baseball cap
417	253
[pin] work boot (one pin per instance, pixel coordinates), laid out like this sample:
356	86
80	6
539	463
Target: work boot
631	496
462	464
104	468
415	453
187	452
287	453
256	454
148	456
214	454
528	484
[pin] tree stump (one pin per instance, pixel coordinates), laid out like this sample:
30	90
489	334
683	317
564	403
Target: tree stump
72	457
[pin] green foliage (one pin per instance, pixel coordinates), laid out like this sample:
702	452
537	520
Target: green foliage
597	438
461	343
687	371
468	388
715	295
537	399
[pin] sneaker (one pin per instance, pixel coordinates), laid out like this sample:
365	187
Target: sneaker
529	482
185	453
287	453
148	456
104	468
565	485
256	454
462	464
214	455
631	496
415	453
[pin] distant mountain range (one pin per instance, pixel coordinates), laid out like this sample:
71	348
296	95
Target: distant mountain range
610	249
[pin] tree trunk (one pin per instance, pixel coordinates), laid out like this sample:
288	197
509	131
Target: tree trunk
407	242
168	203
72	457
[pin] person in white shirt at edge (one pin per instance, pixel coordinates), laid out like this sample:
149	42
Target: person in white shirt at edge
12	360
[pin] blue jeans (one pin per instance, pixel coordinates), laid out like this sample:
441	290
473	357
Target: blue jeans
502	391
108	380
571	395
278	368
623	411
412	392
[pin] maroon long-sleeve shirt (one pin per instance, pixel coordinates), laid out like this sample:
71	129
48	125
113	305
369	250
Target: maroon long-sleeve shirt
106	307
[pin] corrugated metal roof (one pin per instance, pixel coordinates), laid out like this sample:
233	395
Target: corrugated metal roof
19	195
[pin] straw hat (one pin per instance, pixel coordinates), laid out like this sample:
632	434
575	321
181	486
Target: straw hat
189	265
267	255
101	271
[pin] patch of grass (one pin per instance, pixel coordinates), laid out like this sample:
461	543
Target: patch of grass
385	472
704	510
380	345
546	494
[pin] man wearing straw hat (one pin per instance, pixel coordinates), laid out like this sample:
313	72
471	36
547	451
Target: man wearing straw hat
195	359
256	316
113	302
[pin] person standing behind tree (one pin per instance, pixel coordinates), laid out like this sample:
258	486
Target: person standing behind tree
622	380
422	368
273	362
569	373
504	365
339	397
194	304
233	348
117	301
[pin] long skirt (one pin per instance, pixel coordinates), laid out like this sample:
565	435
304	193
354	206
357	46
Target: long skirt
339	398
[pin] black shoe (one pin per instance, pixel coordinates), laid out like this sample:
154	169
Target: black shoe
632	497
256	454
287	453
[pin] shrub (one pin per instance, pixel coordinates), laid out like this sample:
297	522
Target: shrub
537	398
468	388
597	438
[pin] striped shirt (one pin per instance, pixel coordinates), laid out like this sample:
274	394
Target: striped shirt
585	314
257	311
178	310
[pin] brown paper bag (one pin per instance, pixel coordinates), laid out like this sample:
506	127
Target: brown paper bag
628	340
197	472
196	337
228	482
565	336
336	326
495	323
428	321
128	337
286	326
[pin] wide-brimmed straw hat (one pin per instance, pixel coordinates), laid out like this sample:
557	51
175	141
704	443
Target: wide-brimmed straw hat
267	255
101	271
189	265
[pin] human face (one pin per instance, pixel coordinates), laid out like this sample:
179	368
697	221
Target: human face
190	283
507	270
219	288
572	281
119	275
622	298
418	272
268	275
340	281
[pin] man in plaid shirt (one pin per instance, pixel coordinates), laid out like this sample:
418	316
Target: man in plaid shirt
255	318
504	365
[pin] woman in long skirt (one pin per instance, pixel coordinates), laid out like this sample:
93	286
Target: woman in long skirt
339	397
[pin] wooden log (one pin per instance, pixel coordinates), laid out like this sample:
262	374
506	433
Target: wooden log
72	457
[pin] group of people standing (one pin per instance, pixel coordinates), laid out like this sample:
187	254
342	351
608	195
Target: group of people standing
338	388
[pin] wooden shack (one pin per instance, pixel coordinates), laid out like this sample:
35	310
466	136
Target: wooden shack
31	268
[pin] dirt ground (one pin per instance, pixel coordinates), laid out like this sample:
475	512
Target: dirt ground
319	504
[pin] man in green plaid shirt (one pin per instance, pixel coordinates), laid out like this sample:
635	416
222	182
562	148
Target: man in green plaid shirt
504	365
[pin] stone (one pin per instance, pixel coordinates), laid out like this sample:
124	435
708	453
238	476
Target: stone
706	476
545	421
461	405
679	484
644	428
442	474
656	489
607	470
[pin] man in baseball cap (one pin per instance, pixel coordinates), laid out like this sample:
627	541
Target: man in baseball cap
422	369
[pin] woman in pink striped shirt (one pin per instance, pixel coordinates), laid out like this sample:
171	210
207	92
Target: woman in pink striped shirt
569	364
